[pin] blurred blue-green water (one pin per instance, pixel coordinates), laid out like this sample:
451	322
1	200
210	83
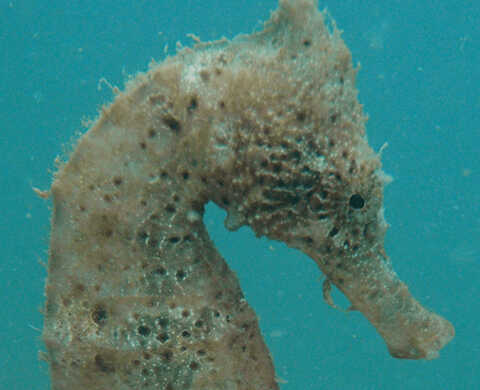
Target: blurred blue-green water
419	82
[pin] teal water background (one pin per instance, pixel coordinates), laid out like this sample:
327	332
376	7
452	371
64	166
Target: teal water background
420	84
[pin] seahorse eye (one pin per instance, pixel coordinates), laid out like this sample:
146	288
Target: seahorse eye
356	201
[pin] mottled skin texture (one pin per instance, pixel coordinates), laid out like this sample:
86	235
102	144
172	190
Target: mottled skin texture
268	127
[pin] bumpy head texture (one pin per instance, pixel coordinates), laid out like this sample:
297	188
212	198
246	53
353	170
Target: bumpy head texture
268	127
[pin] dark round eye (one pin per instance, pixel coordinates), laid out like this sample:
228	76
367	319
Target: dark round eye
356	201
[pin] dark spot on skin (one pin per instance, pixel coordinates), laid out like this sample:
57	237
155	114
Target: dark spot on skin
167	356
172	123
99	315
333	232
143	330
181	274
107	198
170	208
204	75
308	240
163	322
356	201
193	103
301	116
160	271
163	337
103	365
117	181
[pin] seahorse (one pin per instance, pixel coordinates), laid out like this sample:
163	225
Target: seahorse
267	126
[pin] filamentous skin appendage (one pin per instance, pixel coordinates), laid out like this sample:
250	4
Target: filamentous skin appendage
268	127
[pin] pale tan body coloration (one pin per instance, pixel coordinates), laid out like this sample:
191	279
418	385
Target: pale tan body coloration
268	127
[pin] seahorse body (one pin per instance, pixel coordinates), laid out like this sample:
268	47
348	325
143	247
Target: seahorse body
268	127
